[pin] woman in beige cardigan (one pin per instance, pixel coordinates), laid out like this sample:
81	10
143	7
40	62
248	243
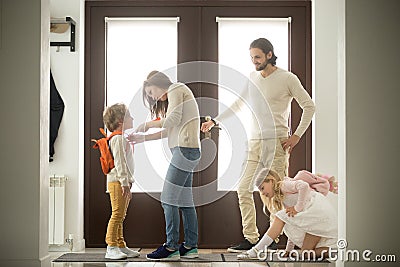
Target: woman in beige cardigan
174	108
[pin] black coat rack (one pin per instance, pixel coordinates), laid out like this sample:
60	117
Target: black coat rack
71	43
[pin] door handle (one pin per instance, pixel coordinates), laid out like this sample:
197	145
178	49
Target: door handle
207	135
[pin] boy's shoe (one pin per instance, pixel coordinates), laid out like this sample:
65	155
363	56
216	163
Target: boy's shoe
241	247
114	253
188	253
162	253
129	252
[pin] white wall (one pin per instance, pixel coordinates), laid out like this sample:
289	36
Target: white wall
328	93
24	105
325	86
67	69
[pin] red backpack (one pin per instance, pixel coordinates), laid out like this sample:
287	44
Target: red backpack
106	157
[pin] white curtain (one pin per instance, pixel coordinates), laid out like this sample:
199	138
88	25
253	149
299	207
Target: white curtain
234	38
134	47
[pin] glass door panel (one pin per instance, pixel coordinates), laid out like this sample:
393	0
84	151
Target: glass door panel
233	52
134	47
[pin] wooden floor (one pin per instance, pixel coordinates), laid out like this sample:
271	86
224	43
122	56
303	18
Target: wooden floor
179	264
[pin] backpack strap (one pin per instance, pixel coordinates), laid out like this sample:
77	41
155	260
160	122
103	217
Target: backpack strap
103	132
114	134
109	138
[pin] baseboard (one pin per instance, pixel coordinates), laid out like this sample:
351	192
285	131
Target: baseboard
78	245
43	262
46	261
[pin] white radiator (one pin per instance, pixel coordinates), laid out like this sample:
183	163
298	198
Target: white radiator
56	210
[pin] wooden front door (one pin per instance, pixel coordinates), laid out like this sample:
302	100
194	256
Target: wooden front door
219	221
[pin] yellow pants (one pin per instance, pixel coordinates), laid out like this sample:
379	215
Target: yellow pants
119	206
262	153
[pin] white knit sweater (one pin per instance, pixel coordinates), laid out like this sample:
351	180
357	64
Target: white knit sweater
269	99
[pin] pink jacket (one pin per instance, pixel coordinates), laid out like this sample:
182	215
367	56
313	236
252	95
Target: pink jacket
319	184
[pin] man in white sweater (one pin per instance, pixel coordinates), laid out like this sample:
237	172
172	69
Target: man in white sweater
269	95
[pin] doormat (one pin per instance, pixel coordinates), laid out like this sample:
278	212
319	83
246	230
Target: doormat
226	257
99	257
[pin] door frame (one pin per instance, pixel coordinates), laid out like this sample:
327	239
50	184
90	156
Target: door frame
94	56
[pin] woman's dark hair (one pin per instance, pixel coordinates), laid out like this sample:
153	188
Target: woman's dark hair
265	46
157	108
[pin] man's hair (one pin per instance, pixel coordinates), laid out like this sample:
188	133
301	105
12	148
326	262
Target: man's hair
156	78
266	47
113	115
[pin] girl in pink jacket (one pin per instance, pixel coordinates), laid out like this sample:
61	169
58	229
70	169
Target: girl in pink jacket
306	216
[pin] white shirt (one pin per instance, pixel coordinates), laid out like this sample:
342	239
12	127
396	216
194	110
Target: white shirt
123	161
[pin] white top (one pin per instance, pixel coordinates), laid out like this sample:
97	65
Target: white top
277	91
315	215
123	161
182	119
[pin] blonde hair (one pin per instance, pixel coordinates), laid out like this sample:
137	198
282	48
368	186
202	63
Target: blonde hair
114	115
275	203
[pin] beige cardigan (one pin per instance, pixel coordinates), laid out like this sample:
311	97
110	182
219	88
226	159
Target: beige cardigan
182	120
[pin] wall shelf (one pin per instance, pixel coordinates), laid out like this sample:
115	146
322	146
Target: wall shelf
72	24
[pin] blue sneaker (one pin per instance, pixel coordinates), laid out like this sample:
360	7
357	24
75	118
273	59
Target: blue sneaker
162	253
188	253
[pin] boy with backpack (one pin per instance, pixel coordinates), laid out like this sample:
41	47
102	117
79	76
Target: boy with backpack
119	177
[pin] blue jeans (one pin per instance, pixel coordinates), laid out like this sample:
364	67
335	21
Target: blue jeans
177	195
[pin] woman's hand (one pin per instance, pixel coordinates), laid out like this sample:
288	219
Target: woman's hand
290	143
206	126
136	138
144	127
291	212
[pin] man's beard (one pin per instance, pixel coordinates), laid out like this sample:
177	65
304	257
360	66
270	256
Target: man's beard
262	66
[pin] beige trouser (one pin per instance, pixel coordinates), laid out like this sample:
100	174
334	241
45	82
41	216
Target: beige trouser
119	206
264	153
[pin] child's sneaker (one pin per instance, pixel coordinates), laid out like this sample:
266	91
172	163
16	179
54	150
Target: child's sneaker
162	253
114	253
129	252
188	253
